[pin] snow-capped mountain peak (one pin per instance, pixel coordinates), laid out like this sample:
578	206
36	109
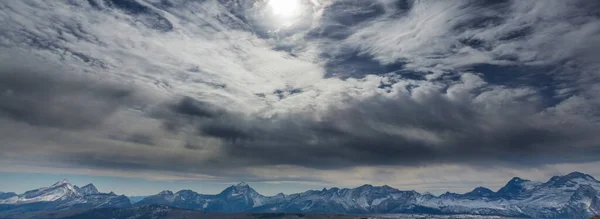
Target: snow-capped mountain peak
88	189
517	180
165	193
516	187
365	186
63	194
480	192
575	175
241	189
571	178
61	190
59	183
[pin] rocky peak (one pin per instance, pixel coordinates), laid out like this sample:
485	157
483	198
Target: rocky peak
481	191
450	195
515	187
428	195
166	193
187	192
517	180
366	186
60	183
239	189
575	175
280	195
570	178
88	189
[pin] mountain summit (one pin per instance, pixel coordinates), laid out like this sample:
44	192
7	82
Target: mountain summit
571	178
516	187
59	183
88	189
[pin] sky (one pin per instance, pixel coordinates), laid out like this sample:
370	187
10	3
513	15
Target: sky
138	96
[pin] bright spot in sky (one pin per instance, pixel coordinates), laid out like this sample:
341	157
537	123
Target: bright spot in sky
285	8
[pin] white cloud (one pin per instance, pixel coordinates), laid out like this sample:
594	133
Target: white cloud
215	56
435	35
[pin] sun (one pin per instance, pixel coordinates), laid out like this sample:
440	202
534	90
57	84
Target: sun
285	8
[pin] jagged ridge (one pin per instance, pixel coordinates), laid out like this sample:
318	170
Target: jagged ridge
574	195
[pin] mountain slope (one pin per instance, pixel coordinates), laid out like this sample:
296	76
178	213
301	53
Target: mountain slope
5	195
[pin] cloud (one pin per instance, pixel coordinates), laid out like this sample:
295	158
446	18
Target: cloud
468	123
452	34
527	41
41	95
219	90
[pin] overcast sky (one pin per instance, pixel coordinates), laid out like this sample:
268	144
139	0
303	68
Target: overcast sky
296	94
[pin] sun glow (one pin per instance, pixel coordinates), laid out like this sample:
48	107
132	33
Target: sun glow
285	8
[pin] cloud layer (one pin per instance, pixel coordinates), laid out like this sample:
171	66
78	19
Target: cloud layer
224	90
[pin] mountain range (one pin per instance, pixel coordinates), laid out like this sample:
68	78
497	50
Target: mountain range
60	196
575	195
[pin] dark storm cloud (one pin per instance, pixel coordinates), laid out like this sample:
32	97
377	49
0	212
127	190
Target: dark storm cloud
191	107
403	130
136	138
42	95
